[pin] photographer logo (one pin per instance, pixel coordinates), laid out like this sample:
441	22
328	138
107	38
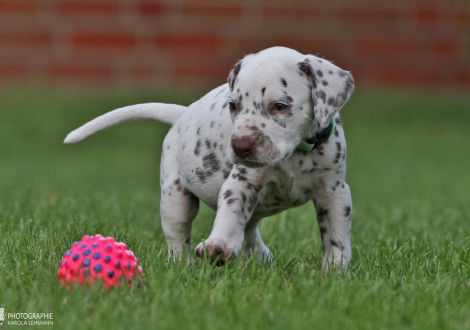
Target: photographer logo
25	318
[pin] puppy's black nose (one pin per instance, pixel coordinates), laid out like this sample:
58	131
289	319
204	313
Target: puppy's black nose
243	146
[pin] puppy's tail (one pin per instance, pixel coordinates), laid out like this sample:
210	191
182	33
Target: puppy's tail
167	113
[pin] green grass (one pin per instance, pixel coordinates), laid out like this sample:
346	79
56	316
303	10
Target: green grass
408	165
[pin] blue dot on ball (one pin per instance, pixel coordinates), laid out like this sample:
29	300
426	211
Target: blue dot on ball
95	245
75	256
96	255
86	252
86	272
86	262
107	258
108	247
111	273
98	268
83	246
128	265
118	263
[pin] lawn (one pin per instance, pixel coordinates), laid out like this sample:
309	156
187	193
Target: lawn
408	163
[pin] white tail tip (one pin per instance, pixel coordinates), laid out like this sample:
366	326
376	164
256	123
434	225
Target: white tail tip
72	137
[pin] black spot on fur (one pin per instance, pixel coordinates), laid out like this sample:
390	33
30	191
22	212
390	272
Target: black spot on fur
349	85
231	201
338	152
233	75
322	213
228	193
198	148
347	211
210	165
308	70
239	177
320	150
319	73
284	82
254	187
322	96
210	162
201	175
337	244
263	90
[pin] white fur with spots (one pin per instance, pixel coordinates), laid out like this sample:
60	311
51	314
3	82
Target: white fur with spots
235	149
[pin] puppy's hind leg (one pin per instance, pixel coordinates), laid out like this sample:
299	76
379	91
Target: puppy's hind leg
254	243
178	206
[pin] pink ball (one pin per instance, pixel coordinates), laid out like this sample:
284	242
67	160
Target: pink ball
98	257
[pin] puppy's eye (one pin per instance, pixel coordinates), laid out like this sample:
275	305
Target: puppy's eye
232	106
279	107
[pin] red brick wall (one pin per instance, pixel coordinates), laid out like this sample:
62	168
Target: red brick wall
195	43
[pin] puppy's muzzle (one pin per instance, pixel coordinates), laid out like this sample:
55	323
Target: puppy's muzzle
243	146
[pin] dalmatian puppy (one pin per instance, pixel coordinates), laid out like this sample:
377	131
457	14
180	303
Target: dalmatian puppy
269	139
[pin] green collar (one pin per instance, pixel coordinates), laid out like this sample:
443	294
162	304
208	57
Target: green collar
314	142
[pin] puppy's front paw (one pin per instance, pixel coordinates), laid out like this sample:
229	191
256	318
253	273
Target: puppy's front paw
217	250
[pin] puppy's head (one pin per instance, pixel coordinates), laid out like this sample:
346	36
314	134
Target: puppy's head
278	97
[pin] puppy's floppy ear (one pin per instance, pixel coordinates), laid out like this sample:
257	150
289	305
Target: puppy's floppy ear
233	75
331	87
